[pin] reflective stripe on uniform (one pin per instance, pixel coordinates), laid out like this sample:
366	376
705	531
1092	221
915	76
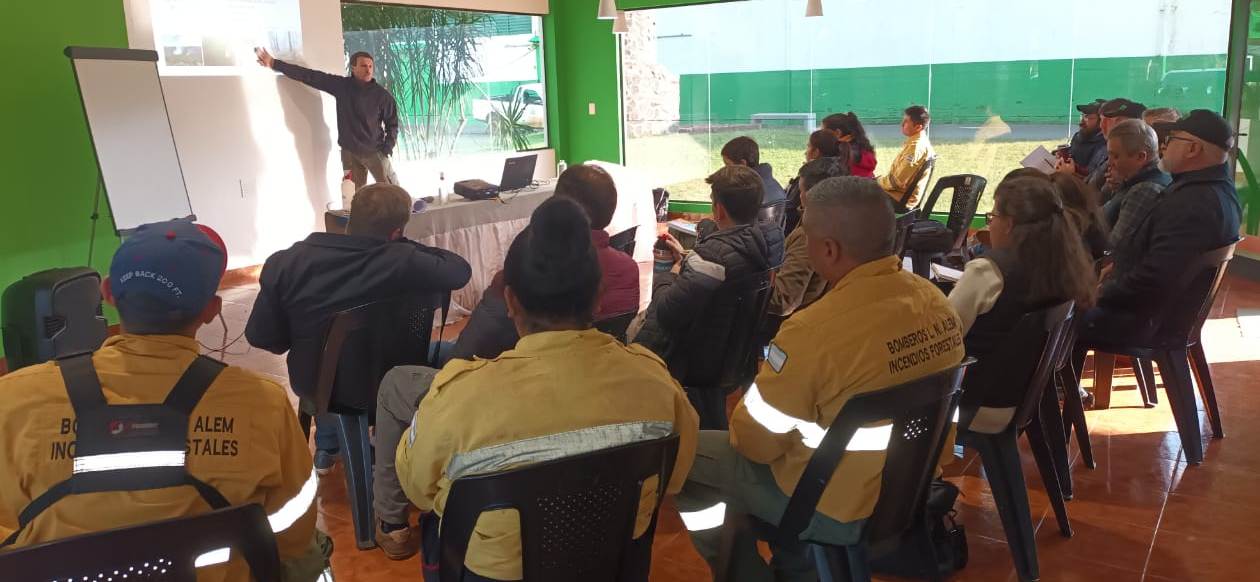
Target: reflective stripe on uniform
213	557
554	446
707	518
133	460
296	507
775	421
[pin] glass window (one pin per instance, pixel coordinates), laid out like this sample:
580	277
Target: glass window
465	82
999	78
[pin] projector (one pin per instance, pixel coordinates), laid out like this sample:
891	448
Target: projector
476	189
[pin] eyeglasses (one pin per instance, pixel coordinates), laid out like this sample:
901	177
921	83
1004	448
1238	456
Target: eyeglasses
989	216
1171	138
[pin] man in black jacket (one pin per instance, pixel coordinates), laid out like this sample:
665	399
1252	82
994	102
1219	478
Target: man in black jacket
304	285
367	115
690	317
1198	212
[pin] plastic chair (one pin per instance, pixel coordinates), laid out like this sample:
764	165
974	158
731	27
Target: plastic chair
615	325
921	176
361	345
1025	361
726	362
161	551
1174	341
904	223
967	190
774	213
577	514
624	240
920	411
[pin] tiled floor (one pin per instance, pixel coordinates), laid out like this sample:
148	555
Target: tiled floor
1142	514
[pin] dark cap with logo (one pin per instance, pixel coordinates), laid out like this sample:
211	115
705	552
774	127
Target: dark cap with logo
1122	107
1206	125
1091	108
166	272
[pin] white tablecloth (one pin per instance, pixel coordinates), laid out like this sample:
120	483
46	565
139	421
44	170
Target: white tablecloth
480	231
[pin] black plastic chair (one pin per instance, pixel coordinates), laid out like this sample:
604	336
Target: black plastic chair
1174	341
967	190
904	224
162	551
361	345
577	514
624	240
726	363
774	213
921	176
920	411
616	325
1025	361
1073	419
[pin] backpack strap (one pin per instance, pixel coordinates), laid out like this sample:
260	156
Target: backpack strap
193	384
82	384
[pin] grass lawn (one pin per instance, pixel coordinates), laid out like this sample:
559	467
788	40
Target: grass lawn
679	162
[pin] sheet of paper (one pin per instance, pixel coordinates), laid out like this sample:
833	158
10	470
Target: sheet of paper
683	225
943	273
1040	159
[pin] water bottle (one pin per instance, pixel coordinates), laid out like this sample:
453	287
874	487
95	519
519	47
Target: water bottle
347	191
561	167
663	257
441	191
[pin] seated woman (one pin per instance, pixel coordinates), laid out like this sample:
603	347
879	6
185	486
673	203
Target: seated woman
490	332
797	285
1037	260
821	144
848	129
564	390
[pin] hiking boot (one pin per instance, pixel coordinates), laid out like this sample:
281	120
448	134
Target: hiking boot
398	544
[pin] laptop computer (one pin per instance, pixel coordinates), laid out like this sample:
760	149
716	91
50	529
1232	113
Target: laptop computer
517	173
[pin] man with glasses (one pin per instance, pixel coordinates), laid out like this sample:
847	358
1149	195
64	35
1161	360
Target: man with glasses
1198	212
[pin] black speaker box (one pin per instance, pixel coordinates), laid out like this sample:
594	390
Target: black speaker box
52	314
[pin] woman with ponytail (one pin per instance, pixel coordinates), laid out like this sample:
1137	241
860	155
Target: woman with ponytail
564	390
848	129
1038	259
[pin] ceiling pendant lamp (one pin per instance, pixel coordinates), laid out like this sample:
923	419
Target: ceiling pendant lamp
813	8
620	26
607	10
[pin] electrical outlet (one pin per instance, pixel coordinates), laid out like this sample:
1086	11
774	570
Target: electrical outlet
590	108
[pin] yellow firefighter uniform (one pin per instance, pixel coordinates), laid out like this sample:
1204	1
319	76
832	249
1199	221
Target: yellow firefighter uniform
241	439
557	394
880	326
914	153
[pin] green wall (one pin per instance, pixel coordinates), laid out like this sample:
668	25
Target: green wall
581	62
1018	91
46	159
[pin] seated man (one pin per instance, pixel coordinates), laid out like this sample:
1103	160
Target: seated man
845	344
1133	152
488	415
744	151
1198	212
914	153
797	284
1088	148
303	286
490	331
1113	112
702	287
242	446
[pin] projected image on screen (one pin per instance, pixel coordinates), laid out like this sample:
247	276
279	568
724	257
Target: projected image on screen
218	36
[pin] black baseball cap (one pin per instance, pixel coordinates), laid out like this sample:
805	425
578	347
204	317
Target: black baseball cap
1122	107
1091	108
1206	125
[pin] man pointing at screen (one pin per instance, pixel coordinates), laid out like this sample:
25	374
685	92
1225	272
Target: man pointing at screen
367	116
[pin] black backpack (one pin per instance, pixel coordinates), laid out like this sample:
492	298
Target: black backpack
948	537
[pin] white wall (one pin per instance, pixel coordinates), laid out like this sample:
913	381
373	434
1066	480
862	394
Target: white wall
259	151
713	38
